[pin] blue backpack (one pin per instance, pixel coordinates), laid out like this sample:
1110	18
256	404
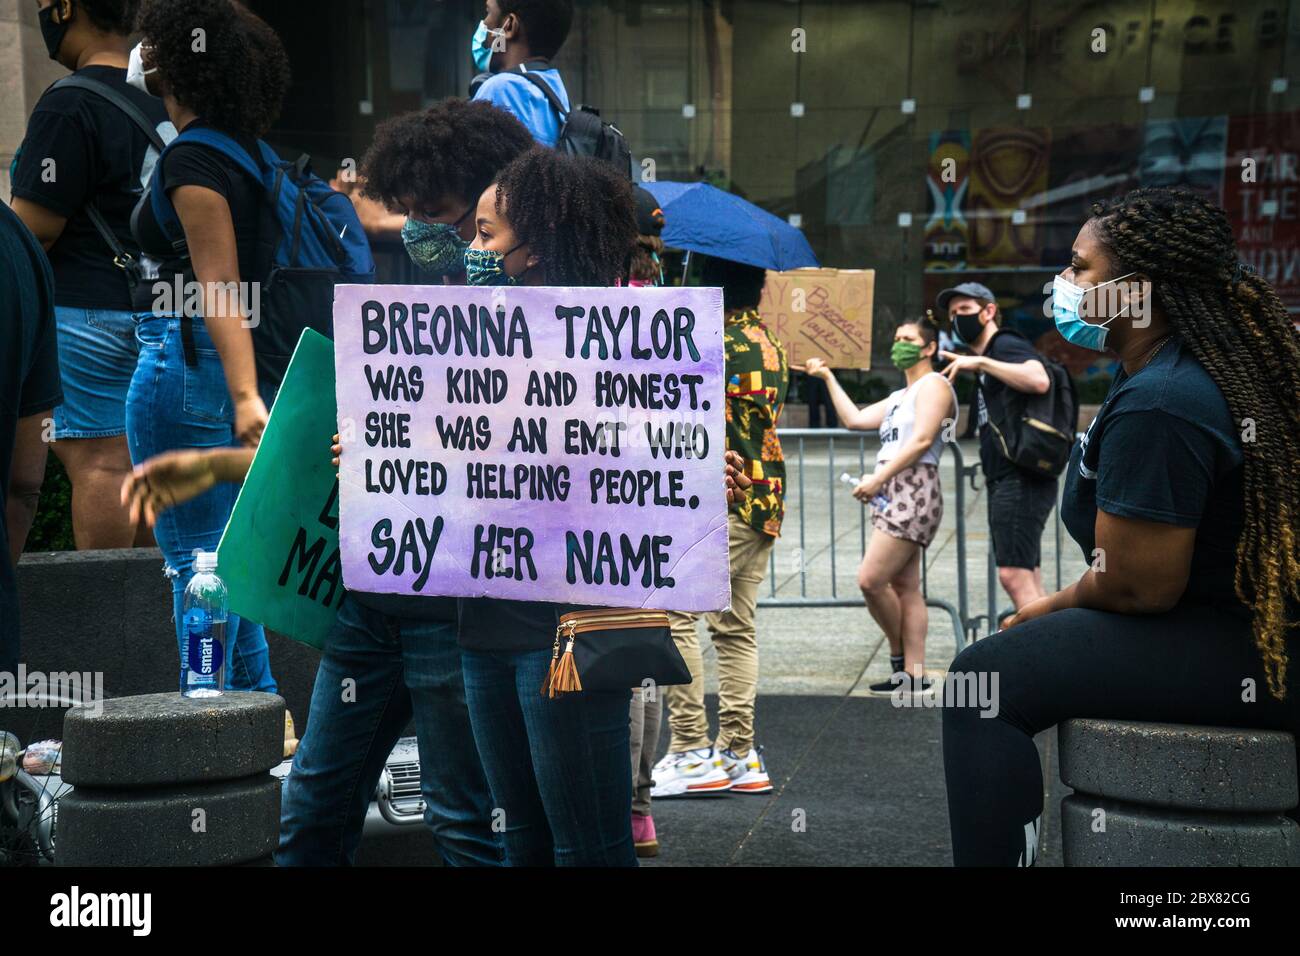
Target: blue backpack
310	240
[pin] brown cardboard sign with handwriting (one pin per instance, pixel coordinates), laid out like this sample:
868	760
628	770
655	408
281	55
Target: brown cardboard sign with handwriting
824	313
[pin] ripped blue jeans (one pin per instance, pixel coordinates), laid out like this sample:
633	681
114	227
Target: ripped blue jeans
169	406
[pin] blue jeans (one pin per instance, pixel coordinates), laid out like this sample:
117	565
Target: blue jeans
558	768
396	665
98	353
171	406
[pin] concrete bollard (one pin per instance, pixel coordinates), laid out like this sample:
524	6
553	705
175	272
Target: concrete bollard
164	780
1149	794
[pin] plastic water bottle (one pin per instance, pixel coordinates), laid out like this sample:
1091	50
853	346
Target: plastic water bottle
879	502
204	611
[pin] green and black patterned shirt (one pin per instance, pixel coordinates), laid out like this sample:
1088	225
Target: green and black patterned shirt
758	377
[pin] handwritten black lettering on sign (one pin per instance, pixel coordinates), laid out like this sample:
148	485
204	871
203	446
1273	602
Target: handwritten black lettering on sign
534	444
312	567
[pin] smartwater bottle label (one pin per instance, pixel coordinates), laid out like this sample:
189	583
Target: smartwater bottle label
205	651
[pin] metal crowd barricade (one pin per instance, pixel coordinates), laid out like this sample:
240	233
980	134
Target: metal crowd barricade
965	627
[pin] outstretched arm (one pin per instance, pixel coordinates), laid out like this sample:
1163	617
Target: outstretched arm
859	419
176	477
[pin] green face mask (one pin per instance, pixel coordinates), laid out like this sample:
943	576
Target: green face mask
904	355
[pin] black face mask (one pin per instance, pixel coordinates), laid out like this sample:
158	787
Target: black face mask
53	33
968	327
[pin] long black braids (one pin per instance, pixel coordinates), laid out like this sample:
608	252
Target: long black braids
1232	320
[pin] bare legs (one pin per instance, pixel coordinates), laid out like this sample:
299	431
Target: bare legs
1022	584
890	579
97	467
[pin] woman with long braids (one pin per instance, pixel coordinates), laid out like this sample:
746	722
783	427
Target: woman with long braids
1184	496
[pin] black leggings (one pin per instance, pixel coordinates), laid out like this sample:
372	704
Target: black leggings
1186	666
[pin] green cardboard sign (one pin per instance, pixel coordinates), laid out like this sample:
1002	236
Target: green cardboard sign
279	555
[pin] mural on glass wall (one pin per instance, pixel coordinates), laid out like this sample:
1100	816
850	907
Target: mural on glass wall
947	179
1008	169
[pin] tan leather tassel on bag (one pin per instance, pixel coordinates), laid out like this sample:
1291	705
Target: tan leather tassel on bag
566	680
550	671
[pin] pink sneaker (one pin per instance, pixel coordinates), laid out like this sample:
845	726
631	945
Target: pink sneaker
643	835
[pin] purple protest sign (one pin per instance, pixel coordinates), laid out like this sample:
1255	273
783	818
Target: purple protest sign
535	444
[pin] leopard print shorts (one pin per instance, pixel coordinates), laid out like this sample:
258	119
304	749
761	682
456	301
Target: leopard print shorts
915	507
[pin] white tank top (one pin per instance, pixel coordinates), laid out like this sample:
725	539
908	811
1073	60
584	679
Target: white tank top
900	421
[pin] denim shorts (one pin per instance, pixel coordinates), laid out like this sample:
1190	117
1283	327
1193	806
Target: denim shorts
97	356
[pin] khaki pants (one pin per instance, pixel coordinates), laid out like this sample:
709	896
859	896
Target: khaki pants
735	639
645	715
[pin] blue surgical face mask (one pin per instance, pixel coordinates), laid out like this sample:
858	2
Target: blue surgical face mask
486	267
435	247
482	54
1066	297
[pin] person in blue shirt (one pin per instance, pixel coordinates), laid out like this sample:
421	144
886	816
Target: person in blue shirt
517	37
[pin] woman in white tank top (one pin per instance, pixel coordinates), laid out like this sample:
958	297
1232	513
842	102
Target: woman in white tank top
904	495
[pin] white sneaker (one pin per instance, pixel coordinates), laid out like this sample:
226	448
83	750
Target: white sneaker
749	773
691	773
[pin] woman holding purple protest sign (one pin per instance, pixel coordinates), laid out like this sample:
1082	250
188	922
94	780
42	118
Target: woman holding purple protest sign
557	768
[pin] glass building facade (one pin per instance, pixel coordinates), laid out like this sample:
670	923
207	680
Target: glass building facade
934	141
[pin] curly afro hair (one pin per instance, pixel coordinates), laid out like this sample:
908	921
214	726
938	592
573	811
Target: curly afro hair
454	148
233	74
576	213
111	16
546	22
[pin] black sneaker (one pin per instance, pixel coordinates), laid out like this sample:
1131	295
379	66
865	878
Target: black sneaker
901	683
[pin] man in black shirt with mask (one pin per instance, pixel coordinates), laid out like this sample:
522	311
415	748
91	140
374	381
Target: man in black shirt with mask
1019	502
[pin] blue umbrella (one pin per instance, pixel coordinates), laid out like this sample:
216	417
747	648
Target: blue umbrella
702	218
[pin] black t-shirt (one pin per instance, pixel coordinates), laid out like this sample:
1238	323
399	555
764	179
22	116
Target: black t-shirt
1164	448
490	624
29	380
194	164
1005	346
413	607
81	148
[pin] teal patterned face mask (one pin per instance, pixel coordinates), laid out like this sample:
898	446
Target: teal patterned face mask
485	267
435	247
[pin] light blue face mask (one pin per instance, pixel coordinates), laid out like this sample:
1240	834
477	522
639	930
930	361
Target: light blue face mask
486	267
482	54
1066	297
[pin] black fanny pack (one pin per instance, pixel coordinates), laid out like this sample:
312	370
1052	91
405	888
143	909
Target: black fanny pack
611	649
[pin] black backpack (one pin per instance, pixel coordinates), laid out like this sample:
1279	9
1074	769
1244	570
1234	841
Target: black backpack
582	131
1036	432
